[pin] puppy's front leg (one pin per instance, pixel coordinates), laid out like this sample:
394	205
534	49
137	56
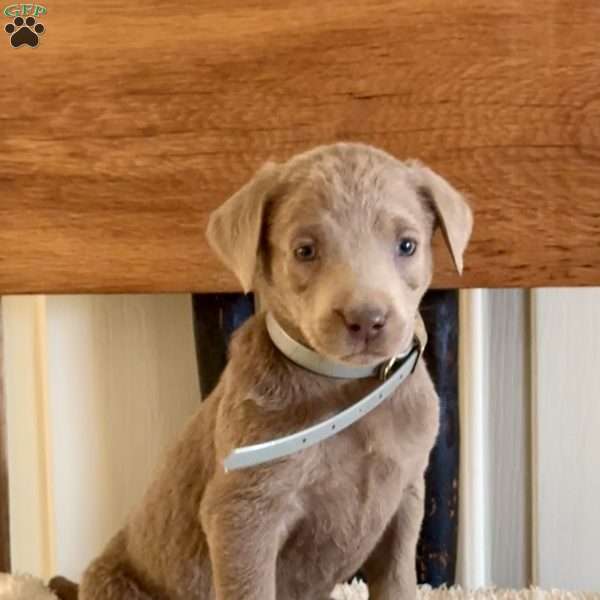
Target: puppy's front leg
241	519
391	568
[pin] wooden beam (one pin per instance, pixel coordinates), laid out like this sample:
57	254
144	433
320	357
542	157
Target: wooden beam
124	129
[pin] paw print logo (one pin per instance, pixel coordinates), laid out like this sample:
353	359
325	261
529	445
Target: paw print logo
24	32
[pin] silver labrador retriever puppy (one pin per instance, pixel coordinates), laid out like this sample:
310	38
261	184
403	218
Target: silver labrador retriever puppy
337	244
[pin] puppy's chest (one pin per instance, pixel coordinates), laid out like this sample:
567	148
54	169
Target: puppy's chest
357	480
387	440
371	454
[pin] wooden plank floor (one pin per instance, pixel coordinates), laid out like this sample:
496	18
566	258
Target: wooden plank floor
127	125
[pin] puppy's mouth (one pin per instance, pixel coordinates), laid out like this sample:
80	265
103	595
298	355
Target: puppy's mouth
364	357
366	353
369	356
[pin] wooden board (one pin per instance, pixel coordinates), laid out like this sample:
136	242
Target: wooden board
4	489
128	124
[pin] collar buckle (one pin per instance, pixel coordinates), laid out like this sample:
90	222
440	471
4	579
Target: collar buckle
388	368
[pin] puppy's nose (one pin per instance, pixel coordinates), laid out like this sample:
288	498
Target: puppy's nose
365	322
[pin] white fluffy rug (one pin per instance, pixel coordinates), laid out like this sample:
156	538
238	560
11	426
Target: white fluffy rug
24	587
358	591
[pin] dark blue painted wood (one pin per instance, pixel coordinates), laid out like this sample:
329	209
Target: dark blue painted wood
436	560
216	316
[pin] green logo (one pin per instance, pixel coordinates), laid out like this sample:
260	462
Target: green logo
25	10
25	29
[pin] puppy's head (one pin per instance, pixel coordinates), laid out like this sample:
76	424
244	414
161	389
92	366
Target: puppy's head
337	244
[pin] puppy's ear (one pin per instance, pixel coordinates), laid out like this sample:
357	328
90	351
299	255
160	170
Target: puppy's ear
234	229
453	212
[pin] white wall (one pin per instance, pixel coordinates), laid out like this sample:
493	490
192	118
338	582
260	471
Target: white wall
120	381
26	419
494	544
566	443
508	381
530	405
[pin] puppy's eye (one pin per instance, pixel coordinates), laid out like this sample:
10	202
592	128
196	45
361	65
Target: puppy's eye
305	252
406	247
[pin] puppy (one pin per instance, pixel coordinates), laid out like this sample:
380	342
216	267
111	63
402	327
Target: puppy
336	243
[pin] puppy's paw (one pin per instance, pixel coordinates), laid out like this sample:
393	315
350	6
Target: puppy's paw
357	590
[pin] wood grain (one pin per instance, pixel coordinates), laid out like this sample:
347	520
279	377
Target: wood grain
124	128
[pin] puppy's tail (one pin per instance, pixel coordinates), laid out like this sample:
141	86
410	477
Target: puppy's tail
63	588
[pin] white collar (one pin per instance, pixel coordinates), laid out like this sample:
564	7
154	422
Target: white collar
391	374
317	363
